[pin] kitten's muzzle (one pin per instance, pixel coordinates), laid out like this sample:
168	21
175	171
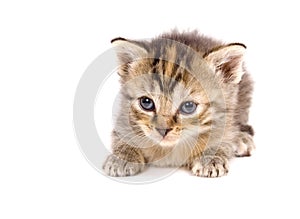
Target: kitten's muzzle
163	132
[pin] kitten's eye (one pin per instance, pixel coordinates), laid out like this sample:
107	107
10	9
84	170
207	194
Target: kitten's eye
147	104
188	107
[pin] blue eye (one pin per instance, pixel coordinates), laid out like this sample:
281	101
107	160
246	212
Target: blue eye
147	104
188	107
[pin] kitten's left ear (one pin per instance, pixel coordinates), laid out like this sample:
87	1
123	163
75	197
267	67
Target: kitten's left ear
228	61
129	50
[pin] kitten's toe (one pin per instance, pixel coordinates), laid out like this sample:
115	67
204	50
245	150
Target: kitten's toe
114	166
215	167
245	145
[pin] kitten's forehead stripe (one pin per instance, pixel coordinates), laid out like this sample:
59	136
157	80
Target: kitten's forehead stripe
175	81
155	61
174	69
168	74
158	79
163	62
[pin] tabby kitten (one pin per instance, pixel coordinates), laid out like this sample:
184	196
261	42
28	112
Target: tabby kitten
185	101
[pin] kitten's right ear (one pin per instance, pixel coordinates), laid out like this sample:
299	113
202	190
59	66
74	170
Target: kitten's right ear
128	50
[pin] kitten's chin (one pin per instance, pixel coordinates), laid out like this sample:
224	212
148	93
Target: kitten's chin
168	142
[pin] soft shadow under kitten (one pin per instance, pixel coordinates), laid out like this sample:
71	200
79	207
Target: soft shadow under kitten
185	101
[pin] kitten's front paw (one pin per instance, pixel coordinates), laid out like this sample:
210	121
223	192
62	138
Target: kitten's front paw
114	166
245	145
210	167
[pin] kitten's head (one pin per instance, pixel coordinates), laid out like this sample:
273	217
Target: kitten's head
173	91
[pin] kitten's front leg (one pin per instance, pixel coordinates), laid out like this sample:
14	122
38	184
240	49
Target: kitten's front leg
212	163
245	145
125	161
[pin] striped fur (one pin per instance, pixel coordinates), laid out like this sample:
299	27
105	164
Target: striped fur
170	70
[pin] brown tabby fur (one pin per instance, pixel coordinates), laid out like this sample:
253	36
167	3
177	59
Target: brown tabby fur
171	69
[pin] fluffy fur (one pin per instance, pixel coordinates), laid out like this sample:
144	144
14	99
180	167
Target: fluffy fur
170	71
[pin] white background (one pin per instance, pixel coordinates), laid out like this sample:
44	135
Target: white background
46	46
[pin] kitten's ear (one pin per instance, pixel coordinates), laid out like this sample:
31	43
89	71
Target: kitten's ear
128	50
228	61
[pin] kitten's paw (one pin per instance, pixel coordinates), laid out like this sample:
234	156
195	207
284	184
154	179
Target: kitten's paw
245	145
210	167
114	166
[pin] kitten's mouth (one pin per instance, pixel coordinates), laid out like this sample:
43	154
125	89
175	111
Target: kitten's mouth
168	141
163	139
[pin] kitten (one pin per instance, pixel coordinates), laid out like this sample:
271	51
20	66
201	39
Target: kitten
185	101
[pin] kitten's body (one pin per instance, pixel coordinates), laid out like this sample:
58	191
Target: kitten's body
175	73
